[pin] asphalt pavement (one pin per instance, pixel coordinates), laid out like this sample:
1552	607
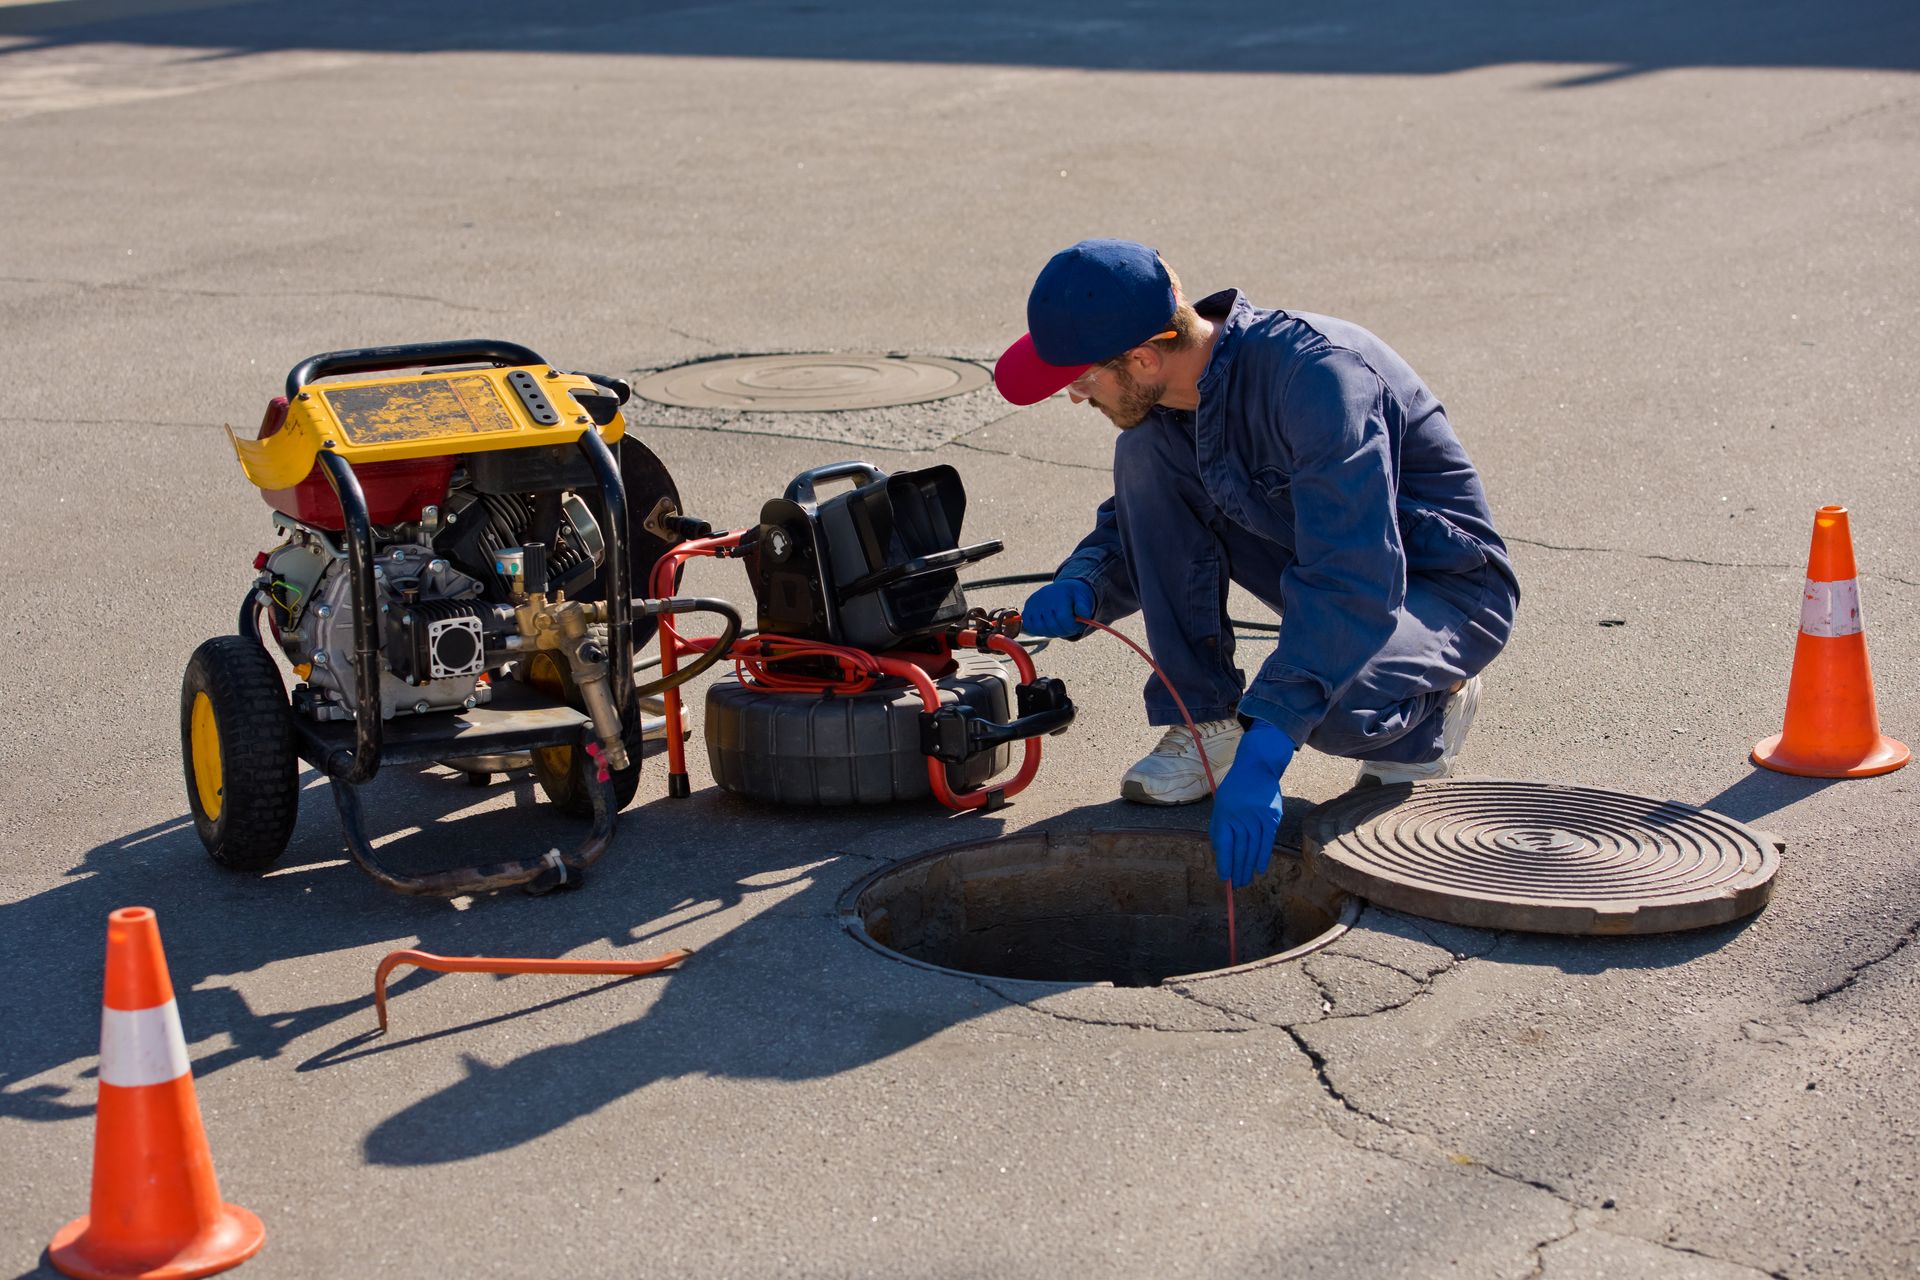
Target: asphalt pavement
1661	262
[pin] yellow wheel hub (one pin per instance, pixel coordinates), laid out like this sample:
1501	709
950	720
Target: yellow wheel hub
208	780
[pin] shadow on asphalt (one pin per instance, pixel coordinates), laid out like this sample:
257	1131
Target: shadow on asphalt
673	862
1763	792
774	997
1381	37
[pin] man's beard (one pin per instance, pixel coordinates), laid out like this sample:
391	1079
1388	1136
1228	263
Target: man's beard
1135	400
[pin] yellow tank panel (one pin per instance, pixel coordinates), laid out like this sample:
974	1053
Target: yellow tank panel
422	415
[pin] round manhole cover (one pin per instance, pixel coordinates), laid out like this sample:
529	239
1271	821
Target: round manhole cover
811	383
1131	908
1543	858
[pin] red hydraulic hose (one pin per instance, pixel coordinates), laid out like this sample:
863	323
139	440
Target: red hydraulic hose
930	696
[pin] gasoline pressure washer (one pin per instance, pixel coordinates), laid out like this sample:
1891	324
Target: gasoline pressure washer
458	543
451	586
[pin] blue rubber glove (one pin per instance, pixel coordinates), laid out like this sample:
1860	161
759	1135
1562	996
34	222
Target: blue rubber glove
1051	610
1246	809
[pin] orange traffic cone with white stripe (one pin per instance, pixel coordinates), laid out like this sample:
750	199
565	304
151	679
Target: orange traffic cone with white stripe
1833	728
156	1211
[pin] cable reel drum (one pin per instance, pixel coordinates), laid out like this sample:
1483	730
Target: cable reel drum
946	692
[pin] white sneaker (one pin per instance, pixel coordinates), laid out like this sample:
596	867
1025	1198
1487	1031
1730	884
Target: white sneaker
1172	773
1454	724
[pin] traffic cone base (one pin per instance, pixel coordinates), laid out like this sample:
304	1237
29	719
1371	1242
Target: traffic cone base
230	1239
1886	756
156	1210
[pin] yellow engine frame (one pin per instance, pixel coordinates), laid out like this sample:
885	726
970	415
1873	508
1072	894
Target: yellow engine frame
422	415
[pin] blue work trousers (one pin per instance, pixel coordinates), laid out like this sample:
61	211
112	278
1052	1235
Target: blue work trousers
1181	552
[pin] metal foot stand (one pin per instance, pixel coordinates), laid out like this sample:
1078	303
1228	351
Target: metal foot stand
550	871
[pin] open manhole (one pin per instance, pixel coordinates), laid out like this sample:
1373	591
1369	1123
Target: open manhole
1130	908
1542	857
811	383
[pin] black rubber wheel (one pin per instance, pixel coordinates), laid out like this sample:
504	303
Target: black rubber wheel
863	748
241	771
555	768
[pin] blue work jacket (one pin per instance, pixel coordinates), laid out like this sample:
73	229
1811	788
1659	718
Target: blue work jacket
1314	434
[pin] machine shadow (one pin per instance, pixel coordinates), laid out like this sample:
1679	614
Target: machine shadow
674	863
785	996
1383	37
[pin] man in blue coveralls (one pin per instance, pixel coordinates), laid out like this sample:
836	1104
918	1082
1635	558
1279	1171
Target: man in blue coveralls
1300	457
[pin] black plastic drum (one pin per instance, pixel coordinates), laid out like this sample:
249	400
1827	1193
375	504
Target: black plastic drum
862	748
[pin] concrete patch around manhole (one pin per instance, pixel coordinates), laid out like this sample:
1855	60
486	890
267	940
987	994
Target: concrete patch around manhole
1541	857
907	403
811	383
1127	908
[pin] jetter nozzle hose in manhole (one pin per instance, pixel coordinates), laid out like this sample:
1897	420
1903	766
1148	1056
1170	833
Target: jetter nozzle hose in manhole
1213	784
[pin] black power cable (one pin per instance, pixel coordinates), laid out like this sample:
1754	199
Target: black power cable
1020	579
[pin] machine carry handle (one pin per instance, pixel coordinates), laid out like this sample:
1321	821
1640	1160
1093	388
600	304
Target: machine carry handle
801	489
622	389
954	733
952	558
409	355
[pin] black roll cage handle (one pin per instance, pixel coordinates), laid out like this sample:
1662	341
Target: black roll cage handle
410	355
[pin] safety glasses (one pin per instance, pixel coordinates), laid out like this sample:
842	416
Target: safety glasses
1082	386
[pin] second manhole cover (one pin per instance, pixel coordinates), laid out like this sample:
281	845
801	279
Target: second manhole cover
1540	857
811	383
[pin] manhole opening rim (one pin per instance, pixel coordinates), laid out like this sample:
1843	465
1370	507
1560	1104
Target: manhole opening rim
1350	905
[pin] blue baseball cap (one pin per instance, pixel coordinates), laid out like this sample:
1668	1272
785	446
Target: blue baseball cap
1091	302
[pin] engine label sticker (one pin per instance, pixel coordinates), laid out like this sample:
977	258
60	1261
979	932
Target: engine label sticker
420	410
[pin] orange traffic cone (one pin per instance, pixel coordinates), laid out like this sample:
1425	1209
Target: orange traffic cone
156	1211
1832	730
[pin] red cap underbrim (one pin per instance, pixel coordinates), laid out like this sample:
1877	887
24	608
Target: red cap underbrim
1024	378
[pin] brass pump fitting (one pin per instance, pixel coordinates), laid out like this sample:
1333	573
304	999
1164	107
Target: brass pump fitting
561	625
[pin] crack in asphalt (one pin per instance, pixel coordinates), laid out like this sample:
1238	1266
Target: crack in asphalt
1711	564
1854	973
1786	145
1539	1251
1644	555
1005	417
90	286
690	337
1126	1023
1327	999
958	443
1432	1147
1671	1247
1321	1066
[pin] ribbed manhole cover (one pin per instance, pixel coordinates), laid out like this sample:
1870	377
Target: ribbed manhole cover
811	383
1543	858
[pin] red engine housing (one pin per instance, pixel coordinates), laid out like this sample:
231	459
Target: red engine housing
396	492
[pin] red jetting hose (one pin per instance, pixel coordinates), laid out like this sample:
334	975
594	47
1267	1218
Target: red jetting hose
1233	943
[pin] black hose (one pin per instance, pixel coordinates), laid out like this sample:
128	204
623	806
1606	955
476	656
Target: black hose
1017	579
718	651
